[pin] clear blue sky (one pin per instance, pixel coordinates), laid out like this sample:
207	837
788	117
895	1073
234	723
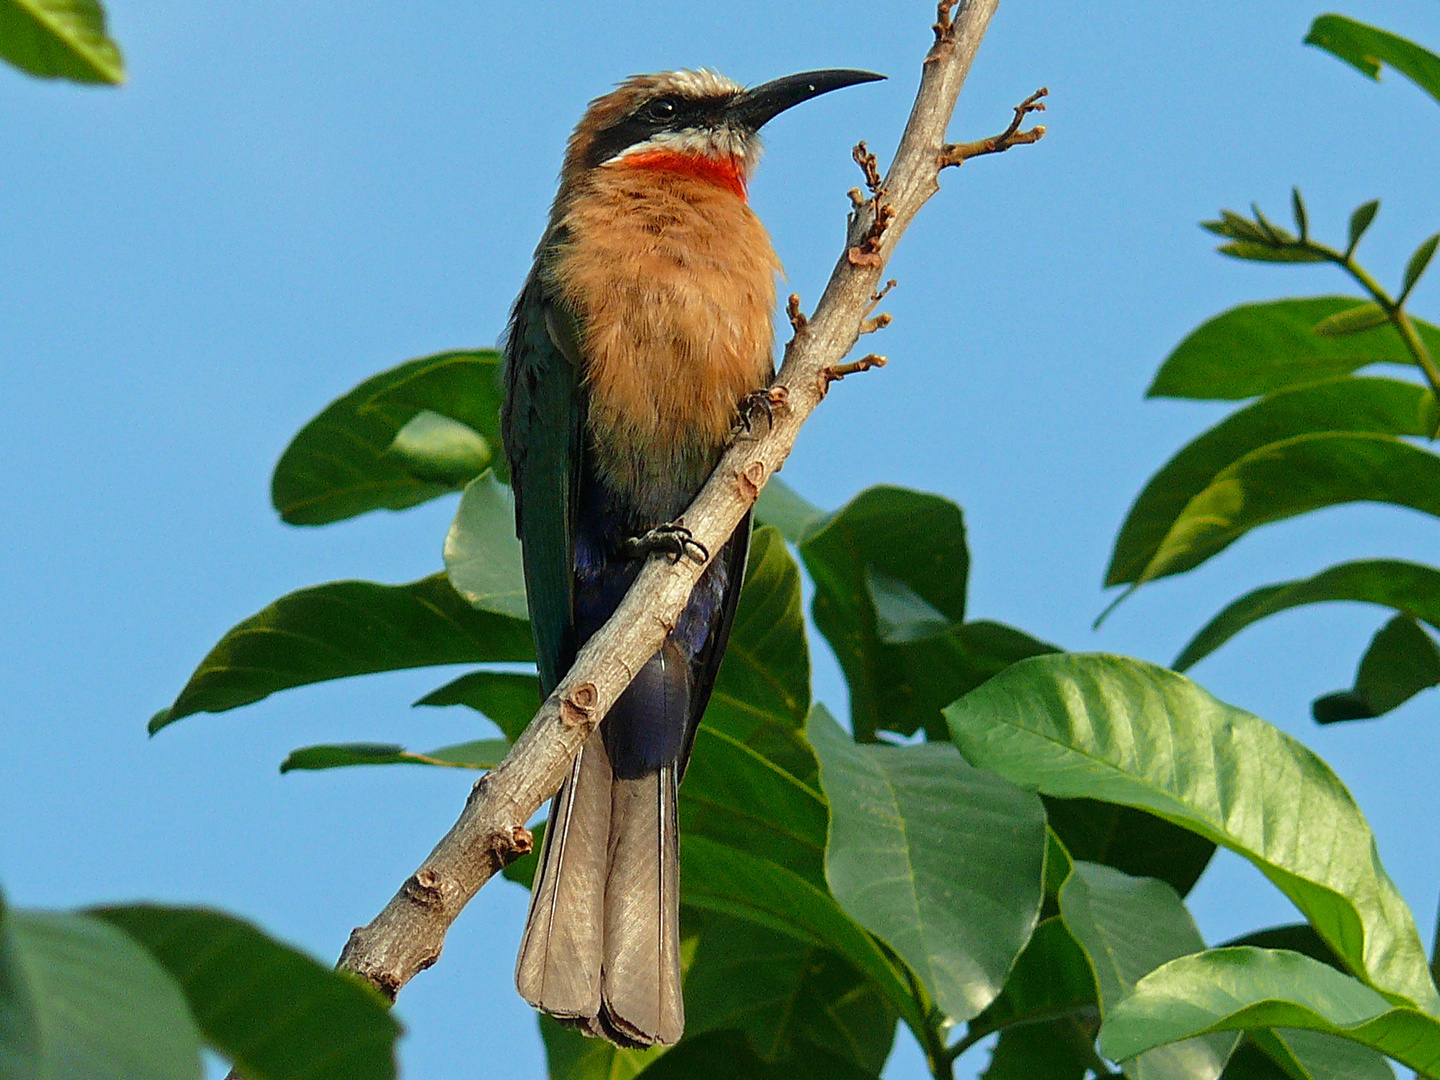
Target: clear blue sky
288	197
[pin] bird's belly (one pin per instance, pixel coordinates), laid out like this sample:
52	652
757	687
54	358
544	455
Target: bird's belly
676	292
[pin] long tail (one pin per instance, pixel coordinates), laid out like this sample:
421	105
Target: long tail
602	942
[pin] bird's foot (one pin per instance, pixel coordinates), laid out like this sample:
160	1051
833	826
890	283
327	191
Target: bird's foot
672	539
761	403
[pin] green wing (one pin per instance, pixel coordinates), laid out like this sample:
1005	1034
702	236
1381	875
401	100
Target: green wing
542	423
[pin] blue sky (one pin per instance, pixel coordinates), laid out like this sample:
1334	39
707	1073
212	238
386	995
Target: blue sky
287	198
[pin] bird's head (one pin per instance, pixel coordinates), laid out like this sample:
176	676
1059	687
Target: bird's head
693	122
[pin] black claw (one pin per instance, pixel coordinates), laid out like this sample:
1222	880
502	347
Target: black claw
757	402
672	539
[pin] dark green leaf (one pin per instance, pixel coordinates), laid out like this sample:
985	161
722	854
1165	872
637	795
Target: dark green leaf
1292	1054
1417	264
729	881
1365	48
943	862
727	1054
346	461
1259	348
1061	1049
509	700
572	1056
1342	403
1236	227
1401	661
1128	927
782	506
1050	977
784	994
1240	989
1291	477
1128	732
275	1012
1360	221
1352	321
762	694
482	555
84	1002
481	754
1131	840
736	796
60	39
1263	252
1297	937
341	629
1403	586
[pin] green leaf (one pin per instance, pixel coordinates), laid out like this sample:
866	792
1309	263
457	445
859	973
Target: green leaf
942	862
1342	403
784	994
1264	252
1302	219
1352	321
762	693
481	754
1291	477
1062	1049
347	461
1297	937
1406	587
1365	48
1360	221
1259	348
729	881
573	1056
1128	927
889	571
1052	976
1124	731
84	1001
1417	264
434	447
1292	1054
341	629
1401	661
482	555
782	506
273	1011
734	795
60	39
509	700
1240	989
727	1054
1131	840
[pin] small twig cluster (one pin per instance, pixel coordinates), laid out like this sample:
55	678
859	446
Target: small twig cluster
959	153
867	251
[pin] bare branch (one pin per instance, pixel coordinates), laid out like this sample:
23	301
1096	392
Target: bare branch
407	935
959	153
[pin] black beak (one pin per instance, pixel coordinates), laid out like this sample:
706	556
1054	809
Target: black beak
758	106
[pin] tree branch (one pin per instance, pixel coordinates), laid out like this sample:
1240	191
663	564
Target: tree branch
406	937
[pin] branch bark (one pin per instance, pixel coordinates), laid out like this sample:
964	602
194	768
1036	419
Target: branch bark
407	936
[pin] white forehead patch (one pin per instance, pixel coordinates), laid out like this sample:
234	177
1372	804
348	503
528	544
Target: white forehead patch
700	83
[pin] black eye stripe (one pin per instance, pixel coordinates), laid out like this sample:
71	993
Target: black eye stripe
643	123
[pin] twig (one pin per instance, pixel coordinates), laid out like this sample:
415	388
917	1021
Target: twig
835	372
959	153
406	937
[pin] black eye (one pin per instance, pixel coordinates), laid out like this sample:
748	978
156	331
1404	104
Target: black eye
661	109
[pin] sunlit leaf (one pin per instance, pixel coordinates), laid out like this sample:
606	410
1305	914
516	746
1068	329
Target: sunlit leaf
1052	976
60	39
482	555
782	506
1253	252
943	862
1352	321
480	754
345	461
341	629
1365	48
1259	348
1239	989
572	1056
434	447
1124	731
1343	403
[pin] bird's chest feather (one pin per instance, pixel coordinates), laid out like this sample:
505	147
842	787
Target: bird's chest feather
673	279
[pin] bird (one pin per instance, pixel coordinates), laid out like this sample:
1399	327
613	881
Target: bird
638	343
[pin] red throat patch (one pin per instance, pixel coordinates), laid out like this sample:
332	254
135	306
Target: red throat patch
725	172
